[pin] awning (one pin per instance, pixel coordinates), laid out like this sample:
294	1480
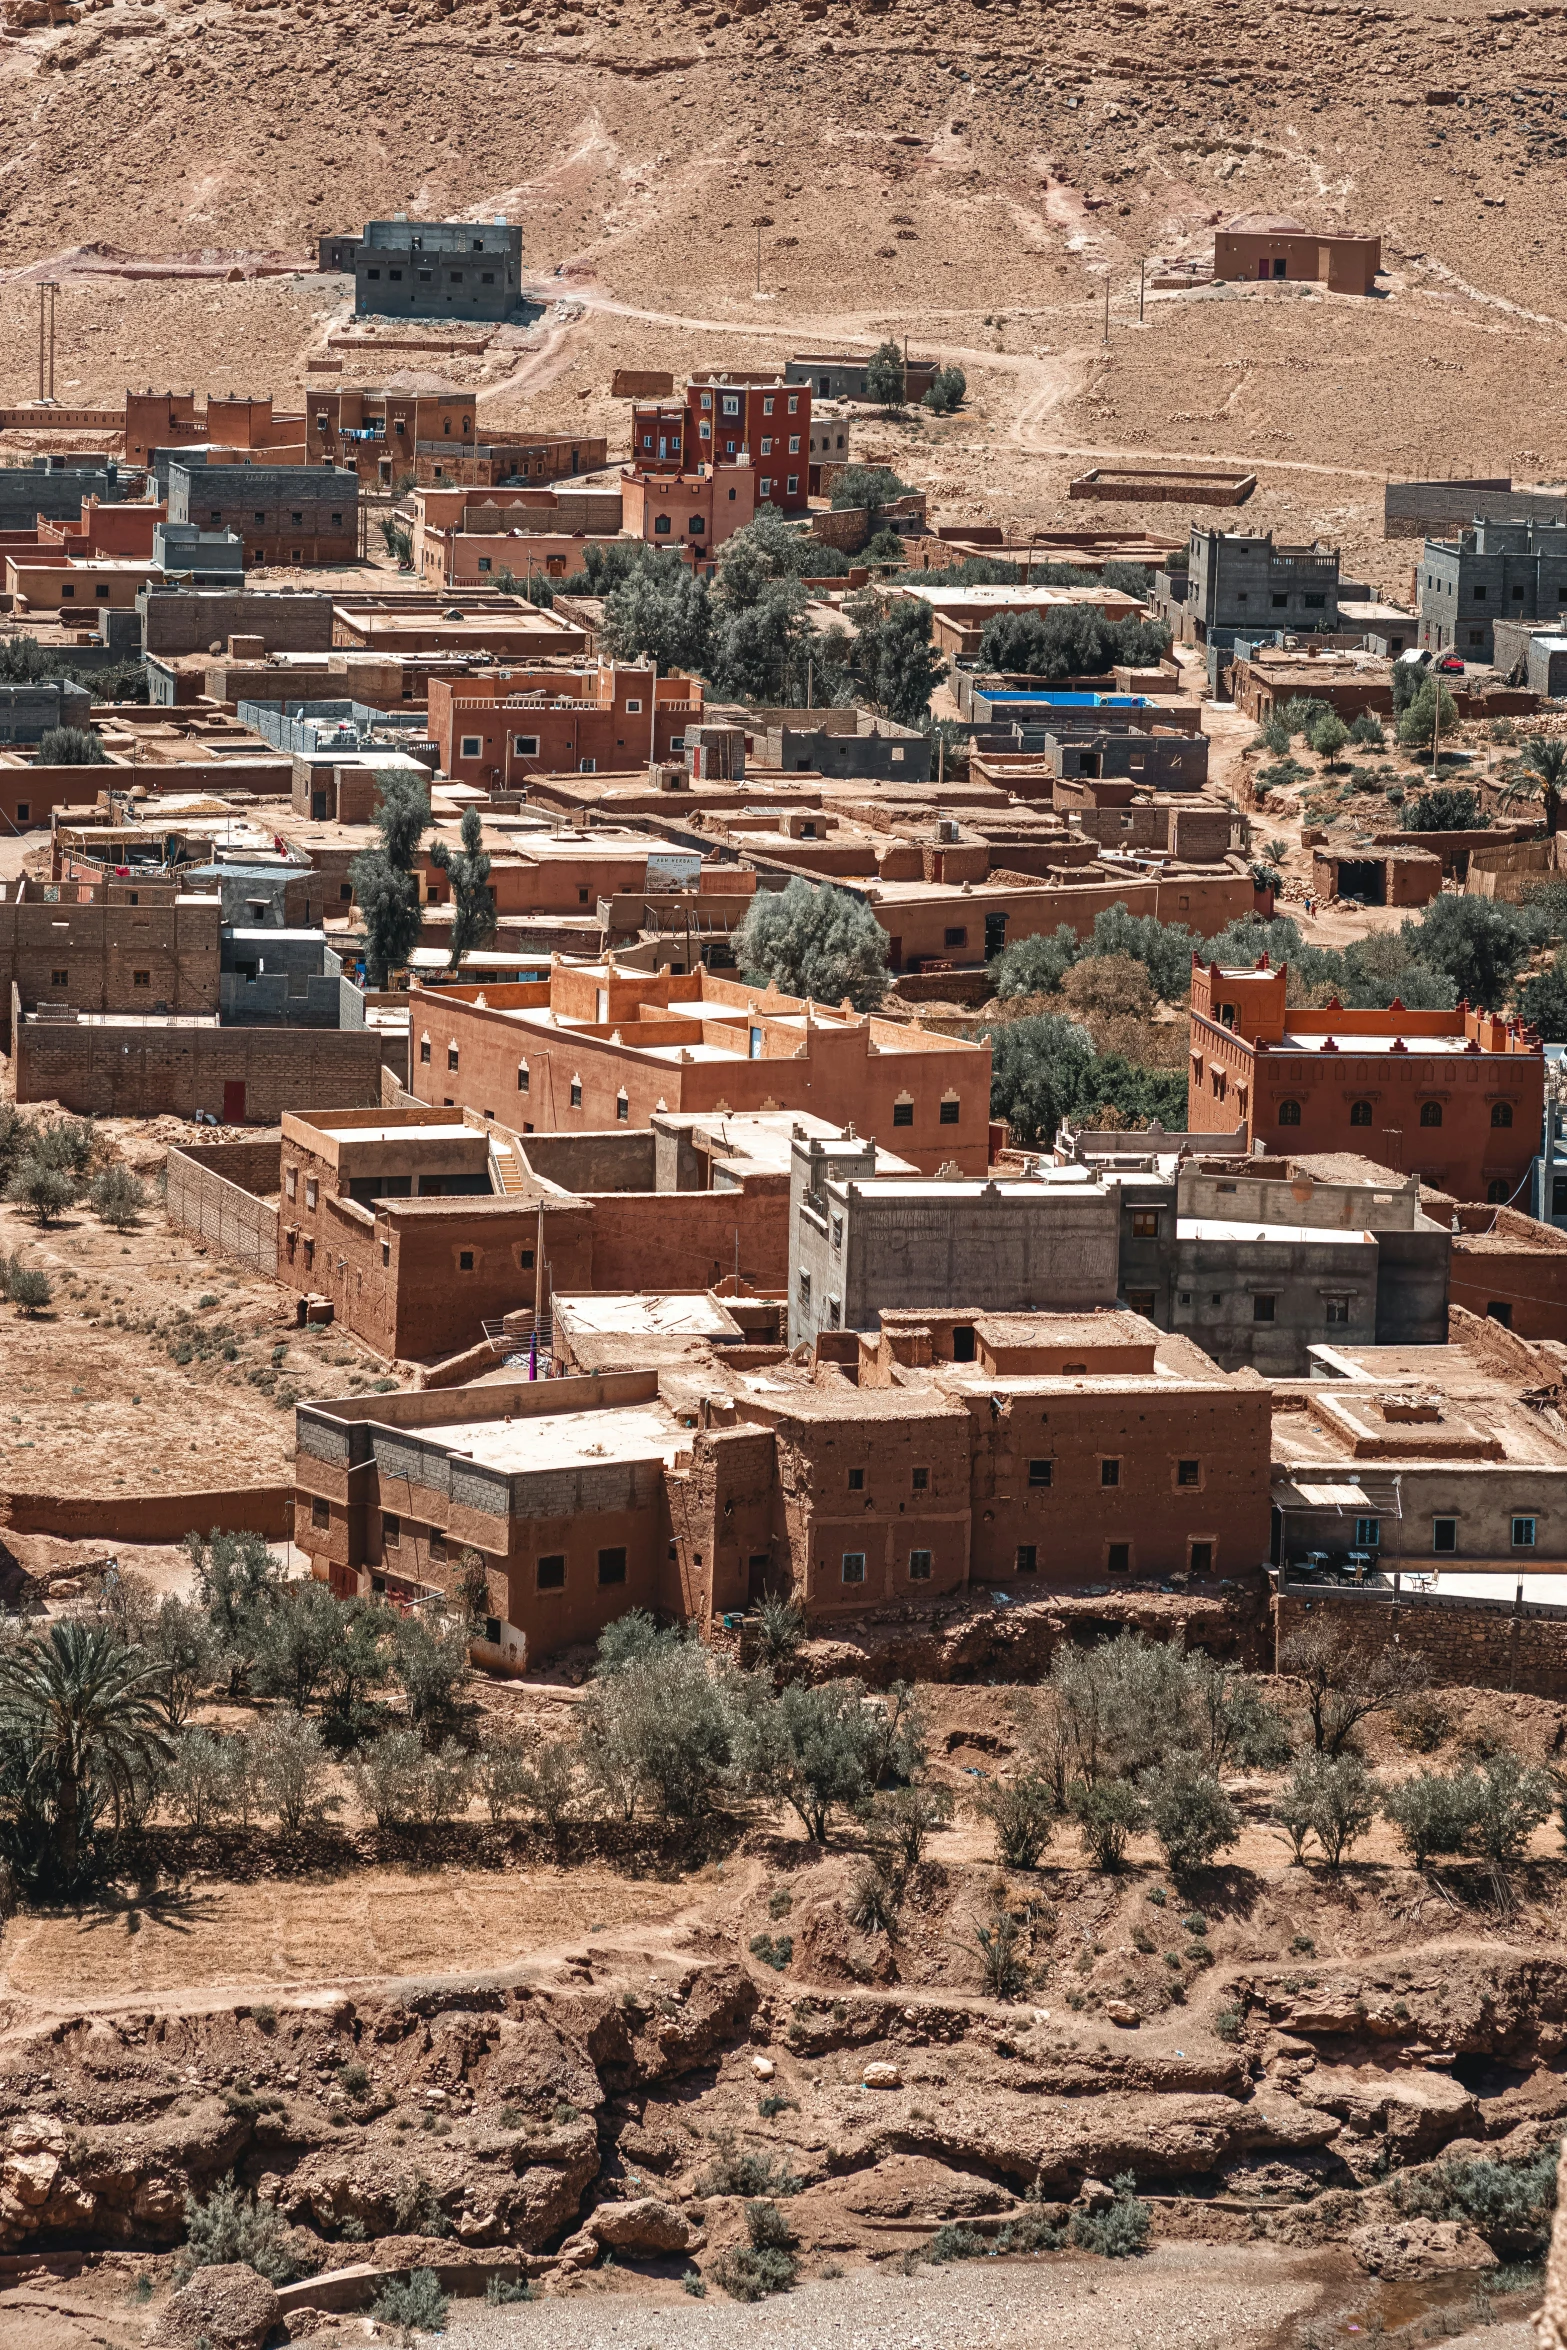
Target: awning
1327	1497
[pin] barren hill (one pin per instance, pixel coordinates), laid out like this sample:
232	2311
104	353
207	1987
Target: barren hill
973	177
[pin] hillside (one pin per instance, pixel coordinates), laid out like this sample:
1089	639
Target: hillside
972	178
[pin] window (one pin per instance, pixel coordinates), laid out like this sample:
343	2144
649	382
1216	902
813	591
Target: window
523	1079
919	1566
24	810
622	1109
424	1051
1026	1561
1360	1113
1501	1113
1041	1472
1368	1533
472	747
526	746
1199	1558
854	1566
391	1531
576	1093
950	1113
920	1480
1444	1536
59	979
67	591
963	1343
386	1252
141	979
805	1288
612	1566
310	1191
1335	1310
767	447
634	706
1264	1308
1145	1223
451	1056
1289	1113
856	1480
1496	1191
437	1545
794	484
1188	1473
291	1183
764	488
465	1260
955	938
525	1258
837	1232
320	1512
661	525
1118	1557
903	1113
1430	1113
1109	1471
767	406
1523	1533
551	1572
794	450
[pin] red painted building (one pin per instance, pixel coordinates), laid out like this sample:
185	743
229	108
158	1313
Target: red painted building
695	512
759	419
1455	1097
499	729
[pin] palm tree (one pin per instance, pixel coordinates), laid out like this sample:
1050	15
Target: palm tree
1542	776
80	1722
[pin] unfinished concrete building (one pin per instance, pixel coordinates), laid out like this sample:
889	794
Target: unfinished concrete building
1513	571
431	268
109	946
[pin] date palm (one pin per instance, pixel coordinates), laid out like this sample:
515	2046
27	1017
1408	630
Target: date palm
1541	775
81	1721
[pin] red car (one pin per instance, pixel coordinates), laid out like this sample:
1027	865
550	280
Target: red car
1448	666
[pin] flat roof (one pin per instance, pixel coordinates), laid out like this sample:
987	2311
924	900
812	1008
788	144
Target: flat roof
1448	1046
894	1187
1222	1228
568	1440
447	1131
635	1313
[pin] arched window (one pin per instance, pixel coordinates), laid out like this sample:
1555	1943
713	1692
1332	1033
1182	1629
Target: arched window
1496	1191
1430	1113
1501	1113
1289	1113
1360	1113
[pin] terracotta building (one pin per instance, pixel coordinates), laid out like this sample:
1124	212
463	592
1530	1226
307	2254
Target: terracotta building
379	432
658	437
695	512
499	729
110	946
1454	1097
595	1047
497	464
171	420
1039	1452
1255	245
758	418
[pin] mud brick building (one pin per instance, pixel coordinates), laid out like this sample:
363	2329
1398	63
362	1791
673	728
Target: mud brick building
1425	1459
1263	248
431	268
492	464
378	433
1035	1452
840	375
693	511
192	620
157	423
425	1227
1510	1268
283	513
110	946
1456	1098
596	1047
759	419
499	729
1496	571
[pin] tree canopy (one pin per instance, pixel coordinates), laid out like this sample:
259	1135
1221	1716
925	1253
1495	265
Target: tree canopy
814	940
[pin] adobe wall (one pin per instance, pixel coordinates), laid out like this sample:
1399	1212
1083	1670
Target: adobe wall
214	1193
616	1161
1505	1258
151	1517
186	620
686	1239
1463	1643
152	1071
117	957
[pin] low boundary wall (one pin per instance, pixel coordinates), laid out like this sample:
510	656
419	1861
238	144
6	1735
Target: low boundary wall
212	1193
151	1517
1464	1643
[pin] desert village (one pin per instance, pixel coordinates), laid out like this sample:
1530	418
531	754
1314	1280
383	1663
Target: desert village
783	1356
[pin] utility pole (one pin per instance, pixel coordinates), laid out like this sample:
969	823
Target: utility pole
758	257
1142	279
1107	313
47	290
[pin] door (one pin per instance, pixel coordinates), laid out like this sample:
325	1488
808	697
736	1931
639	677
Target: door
233	1101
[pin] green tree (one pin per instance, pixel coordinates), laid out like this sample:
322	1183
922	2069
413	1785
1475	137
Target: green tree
40	1190
1480	943
301	1633
385	883
473	900
1037	965
1342	1685
398	541
1433	1812
871	487
80	1724
658	1729
1069	640
117	1197
1420	717
1329	738
238	1582
948	387
291	1765
27	1286
813	1748
1542	1001
885	379
1192	1816
1022	1815
430	1663
1512	1798
1447	807
661	612
230	2227
891	655
814	940
70	746
1107	1813
1366	730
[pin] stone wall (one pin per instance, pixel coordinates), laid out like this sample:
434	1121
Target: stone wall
244	1076
1464	1643
151	1517
214	1192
